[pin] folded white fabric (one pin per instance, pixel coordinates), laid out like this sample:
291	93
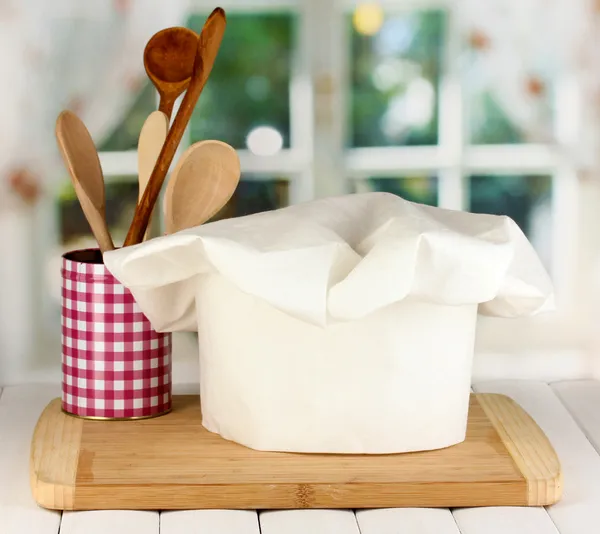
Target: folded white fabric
338	259
340	325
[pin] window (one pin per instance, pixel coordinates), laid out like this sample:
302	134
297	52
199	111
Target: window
337	97
395	77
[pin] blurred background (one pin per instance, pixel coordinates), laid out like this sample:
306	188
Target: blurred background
488	107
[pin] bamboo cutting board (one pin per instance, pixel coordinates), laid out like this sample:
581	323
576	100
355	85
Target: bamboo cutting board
172	462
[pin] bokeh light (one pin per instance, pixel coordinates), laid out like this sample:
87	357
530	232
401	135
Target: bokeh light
264	141
368	18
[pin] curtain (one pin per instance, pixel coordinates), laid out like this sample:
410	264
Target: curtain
517	49
85	56
55	54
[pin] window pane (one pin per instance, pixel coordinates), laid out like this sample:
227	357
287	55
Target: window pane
249	84
395	76
255	194
121	199
126	134
525	199
518	121
421	189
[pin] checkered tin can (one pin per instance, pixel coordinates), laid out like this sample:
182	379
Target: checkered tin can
114	365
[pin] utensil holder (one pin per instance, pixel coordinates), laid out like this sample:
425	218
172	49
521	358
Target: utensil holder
114	364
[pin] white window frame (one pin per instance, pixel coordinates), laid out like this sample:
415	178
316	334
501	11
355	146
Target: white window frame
318	93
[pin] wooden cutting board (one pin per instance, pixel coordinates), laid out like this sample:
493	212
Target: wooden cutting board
172	462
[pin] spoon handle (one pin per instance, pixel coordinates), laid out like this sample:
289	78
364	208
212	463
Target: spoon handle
95	219
166	105
206	53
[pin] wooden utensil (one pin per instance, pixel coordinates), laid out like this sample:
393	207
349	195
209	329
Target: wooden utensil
203	181
169	60
81	159
76	464
208	46
152	138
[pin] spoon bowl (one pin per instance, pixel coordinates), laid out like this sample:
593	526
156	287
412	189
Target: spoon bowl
81	159
202	182
169	62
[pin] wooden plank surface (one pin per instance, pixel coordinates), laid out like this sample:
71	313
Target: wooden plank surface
110	522
209	522
406	520
504	520
177	464
308	522
579	509
582	399
20	407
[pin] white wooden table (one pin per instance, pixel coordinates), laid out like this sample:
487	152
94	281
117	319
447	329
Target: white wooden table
569	413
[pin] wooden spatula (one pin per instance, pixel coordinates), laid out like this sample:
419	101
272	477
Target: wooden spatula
202	182
206	53
152	138
81	159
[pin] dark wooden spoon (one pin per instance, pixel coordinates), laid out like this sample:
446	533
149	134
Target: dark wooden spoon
206	53
169	62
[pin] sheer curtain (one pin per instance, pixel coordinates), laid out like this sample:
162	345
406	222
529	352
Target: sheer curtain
529	55
519	48
85	56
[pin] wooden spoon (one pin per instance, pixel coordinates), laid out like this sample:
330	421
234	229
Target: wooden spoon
169	61
81	159
202	182
152	138
208	46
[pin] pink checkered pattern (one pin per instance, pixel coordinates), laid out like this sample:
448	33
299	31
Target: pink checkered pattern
114	365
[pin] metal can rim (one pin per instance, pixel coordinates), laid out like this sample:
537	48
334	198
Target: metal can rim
100	418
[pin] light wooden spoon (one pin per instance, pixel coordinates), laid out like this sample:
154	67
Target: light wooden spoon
81	159
206	53
152	138
169	63
202	182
